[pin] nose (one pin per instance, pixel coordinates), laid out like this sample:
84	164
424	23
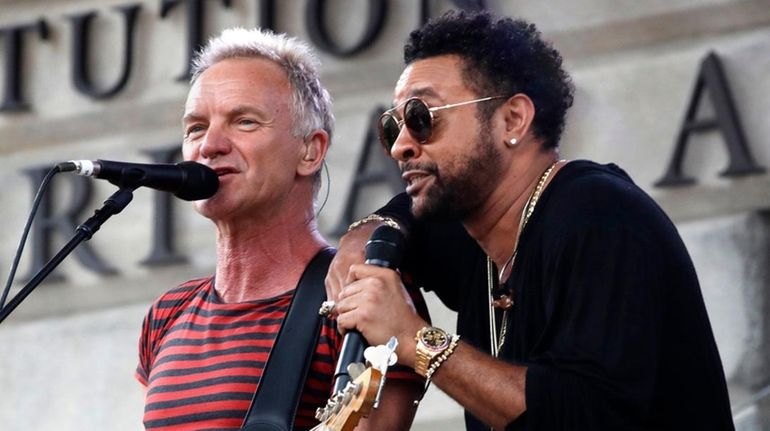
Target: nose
215	143
405	147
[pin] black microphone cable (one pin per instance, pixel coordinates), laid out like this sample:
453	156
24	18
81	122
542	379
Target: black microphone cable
20	249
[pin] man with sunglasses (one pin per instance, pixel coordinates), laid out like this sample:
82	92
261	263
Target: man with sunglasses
578	305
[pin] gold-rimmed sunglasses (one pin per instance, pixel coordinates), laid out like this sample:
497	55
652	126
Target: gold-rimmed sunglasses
418	118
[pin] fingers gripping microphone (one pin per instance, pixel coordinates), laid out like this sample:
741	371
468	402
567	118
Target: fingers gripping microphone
190	181
384	249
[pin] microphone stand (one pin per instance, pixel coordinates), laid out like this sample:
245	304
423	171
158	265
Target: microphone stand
113	205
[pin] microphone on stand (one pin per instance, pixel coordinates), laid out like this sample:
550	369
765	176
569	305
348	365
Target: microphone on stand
384	249
190	181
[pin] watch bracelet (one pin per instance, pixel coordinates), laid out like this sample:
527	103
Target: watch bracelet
423	360
438	360
442	357
421	365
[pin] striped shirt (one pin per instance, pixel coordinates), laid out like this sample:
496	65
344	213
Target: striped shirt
201	359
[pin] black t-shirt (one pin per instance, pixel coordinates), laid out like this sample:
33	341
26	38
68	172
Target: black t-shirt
608	315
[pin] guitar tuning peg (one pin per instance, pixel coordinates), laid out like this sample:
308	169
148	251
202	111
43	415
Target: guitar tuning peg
355	370
322	413
335	408
382	356
392	344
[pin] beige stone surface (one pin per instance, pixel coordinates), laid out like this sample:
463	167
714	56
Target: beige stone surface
70	349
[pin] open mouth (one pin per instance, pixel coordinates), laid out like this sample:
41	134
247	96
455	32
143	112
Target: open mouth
416	180
224	171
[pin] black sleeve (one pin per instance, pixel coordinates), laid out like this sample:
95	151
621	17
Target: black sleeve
440	256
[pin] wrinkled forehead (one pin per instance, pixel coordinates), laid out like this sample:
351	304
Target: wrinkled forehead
435	79
240	81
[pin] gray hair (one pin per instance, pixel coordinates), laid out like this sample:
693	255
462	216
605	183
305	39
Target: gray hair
311	103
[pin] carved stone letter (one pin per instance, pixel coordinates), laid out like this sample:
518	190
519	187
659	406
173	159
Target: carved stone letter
47	224
196	13
13	100
385	172
316	25
711	77
81	29
163	251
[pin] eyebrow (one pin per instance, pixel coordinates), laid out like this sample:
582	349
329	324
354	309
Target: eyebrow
418	92
426	91
191	118
247	109
237	110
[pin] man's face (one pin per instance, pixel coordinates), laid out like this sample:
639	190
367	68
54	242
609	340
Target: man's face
237	121
453	173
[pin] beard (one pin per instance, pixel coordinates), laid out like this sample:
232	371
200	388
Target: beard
461	187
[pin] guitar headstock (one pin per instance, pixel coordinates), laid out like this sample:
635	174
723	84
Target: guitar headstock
344	410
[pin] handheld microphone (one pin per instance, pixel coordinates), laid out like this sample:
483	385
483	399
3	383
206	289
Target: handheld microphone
190	181
384	249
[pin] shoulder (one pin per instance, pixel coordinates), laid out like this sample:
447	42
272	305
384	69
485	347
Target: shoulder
172	301
583	180
588	203
160	318
588	193
184	292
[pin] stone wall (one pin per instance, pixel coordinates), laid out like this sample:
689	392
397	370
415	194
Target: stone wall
70	348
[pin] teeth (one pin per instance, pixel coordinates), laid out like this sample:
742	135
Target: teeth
414	179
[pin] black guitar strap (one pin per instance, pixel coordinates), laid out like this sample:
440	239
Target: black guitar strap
276	400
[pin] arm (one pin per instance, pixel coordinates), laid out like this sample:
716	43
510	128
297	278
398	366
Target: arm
350	251
351	246
438	255
492	390
376	303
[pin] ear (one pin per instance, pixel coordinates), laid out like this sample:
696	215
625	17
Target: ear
519	112
312	153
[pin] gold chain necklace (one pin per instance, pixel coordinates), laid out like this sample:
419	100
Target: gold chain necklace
496	340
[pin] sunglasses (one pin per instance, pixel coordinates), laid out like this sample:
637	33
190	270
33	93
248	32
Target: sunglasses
418	118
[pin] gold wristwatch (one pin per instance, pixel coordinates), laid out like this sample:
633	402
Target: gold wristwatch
431	342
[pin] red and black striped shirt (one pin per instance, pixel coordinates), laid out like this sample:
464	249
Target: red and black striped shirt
201	359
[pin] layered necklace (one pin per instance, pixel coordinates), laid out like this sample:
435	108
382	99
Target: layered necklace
505	300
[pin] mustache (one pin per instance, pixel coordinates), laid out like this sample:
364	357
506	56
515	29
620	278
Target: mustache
430	168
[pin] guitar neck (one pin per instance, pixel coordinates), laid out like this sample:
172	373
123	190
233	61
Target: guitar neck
346	409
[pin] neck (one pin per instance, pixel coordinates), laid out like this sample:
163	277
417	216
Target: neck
263	258
495	226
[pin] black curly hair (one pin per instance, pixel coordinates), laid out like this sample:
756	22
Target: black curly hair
502	57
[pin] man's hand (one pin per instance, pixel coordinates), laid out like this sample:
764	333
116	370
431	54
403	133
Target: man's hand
350	252
376	303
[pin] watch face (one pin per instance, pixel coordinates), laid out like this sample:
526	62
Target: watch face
434	338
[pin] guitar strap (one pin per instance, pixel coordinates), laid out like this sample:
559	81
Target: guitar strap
276	399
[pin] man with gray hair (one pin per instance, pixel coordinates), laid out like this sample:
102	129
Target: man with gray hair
256	114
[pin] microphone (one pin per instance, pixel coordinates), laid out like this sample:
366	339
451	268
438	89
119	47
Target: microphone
190	181
384	249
